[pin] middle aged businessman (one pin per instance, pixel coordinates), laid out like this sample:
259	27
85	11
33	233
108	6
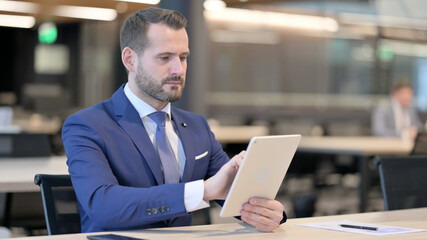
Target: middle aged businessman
135	161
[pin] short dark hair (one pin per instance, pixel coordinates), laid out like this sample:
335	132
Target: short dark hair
401	83
134	31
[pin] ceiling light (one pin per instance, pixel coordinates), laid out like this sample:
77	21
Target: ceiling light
17	21
21	7
383	21
122	7
224	36
153	2
276	19
92	13
214	5
405	48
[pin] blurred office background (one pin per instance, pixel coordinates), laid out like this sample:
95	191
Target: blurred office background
294	66
289	63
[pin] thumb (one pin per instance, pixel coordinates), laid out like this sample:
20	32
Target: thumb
236	161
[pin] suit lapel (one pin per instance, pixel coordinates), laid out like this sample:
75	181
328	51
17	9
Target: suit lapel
187	142
129	120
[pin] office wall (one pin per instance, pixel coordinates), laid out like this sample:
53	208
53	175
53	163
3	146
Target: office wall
18	74
296	74
277	73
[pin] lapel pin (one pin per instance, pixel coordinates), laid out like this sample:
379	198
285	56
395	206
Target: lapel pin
184	124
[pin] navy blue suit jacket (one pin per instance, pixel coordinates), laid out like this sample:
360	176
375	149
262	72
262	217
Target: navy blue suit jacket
116	171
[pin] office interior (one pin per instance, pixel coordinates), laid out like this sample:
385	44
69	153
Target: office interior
315	68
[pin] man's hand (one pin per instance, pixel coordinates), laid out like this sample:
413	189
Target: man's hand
409	133
262	213
413	132
217	186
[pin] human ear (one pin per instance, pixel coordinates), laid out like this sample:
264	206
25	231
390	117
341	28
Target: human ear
130	59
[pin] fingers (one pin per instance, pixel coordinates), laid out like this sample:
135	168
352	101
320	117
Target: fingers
260	222
237	160
217	186
242	154
262	226
266	203
263	214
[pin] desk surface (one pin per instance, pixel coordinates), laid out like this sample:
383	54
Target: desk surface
413	218
238	134
17	174
366	145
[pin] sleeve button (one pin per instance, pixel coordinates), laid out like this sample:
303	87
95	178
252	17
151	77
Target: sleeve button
148	212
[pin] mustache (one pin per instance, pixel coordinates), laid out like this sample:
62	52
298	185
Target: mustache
173	79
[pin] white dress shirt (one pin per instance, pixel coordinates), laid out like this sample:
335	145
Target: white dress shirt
193	191
402	119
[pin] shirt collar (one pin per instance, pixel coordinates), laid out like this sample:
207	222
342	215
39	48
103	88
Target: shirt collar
396	104
143	108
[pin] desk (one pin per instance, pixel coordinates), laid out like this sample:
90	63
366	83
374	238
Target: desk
413	218
361	148
365	146
17	174
238	134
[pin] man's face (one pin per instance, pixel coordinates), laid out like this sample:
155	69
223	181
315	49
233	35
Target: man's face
404	96
163	64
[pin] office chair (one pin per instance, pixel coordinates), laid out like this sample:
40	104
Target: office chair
420	144
403	181
59	203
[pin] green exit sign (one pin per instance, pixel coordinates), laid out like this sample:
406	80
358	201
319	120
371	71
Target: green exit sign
385	53
47	33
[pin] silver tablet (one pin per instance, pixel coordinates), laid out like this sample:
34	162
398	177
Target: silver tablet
262	171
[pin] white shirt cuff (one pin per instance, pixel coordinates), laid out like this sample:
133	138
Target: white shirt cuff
193	196
405	135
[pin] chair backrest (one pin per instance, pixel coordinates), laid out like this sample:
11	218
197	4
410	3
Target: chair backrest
403	181
59	203
420	144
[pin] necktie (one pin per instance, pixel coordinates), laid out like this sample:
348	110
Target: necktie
167	157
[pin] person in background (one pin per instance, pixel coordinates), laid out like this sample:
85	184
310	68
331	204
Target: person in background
137	162
397	117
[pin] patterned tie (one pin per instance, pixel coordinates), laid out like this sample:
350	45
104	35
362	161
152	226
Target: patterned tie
169	163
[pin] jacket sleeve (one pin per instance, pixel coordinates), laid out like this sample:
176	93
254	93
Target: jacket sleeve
382	122
415	120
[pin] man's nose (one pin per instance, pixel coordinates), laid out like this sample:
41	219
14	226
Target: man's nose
177	67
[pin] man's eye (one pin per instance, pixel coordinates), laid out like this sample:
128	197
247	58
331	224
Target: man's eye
183	58
164	58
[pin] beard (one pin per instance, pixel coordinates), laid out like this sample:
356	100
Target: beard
150	86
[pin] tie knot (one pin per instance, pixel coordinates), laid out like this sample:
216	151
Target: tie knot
159	117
